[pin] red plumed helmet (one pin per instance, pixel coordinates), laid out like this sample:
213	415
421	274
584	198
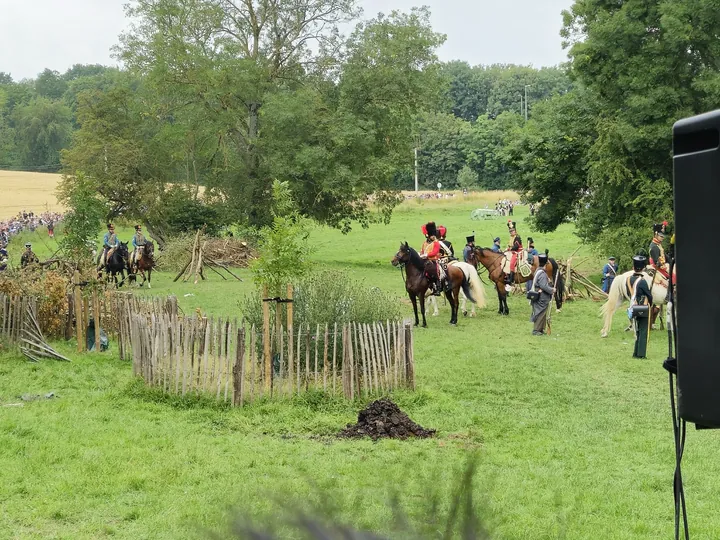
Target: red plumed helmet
424	229
442	230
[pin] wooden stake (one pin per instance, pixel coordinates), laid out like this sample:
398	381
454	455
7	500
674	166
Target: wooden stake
78	311
334	358
325	359
267	360
317	338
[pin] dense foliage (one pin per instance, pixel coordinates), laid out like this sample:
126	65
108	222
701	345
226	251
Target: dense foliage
232	98
602	155
82	221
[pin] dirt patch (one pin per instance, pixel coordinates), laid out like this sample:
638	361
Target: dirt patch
384	419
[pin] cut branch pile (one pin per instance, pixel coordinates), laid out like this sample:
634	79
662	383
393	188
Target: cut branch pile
34	345
201	257
578	285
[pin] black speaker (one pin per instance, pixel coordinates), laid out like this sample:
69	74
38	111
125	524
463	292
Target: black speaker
696	163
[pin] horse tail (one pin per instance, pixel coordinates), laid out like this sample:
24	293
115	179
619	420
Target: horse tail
471	285
559	282
615	298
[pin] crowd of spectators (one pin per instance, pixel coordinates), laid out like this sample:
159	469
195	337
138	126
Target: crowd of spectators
28	221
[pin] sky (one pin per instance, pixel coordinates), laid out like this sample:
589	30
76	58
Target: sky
55	34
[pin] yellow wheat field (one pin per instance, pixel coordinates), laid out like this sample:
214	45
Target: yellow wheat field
33	192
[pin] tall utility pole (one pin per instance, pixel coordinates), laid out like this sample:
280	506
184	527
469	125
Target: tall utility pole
526	101
521	105
416	169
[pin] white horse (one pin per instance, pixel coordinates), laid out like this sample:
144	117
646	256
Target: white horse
619	293
472	274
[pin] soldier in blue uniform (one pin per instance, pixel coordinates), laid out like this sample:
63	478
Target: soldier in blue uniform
469	245
609	272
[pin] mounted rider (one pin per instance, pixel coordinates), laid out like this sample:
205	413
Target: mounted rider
138	243
469	245
657	253
531	254
450	251
431	252
28	257
516	248
110	244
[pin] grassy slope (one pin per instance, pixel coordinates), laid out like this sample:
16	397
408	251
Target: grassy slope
574	436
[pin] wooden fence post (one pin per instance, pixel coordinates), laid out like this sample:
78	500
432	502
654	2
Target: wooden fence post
267	360
290	335
409	360
78	311
96	314
238	369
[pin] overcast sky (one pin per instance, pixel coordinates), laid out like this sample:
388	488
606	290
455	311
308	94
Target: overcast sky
35	34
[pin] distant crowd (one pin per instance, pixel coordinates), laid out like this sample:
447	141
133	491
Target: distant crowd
436	195
28	221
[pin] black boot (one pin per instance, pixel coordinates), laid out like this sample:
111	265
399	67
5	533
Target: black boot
436	288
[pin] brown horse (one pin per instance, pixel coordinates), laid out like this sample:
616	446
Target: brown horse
493	261
459	275
145	264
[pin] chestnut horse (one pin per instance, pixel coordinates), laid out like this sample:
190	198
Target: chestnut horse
146	263
459	275
493	261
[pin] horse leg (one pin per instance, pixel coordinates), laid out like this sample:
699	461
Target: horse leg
413	299
422	308
432	300
502	296
453	307
500	300
148	279
456	303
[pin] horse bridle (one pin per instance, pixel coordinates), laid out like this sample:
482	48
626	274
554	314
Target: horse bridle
401	264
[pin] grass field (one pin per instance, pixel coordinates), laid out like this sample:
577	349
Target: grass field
573	437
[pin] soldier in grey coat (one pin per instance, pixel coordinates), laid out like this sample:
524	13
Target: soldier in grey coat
541	284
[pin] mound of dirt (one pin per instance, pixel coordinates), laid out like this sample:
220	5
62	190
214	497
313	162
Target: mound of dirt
384	419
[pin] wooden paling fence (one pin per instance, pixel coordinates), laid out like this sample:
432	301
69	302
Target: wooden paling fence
221	358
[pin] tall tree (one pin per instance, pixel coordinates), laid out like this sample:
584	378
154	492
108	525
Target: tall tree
223	57
42	129
50	84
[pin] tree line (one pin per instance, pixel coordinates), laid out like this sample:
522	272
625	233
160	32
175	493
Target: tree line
233	97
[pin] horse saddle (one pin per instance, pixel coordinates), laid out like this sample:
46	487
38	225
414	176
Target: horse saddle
522	265
524	268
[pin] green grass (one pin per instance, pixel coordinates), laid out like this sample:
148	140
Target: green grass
573	436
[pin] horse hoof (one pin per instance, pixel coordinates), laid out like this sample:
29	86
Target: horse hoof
603	334
472	315
464	313
424	326
558	311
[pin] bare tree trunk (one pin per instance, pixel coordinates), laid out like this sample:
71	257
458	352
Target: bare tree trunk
157	233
